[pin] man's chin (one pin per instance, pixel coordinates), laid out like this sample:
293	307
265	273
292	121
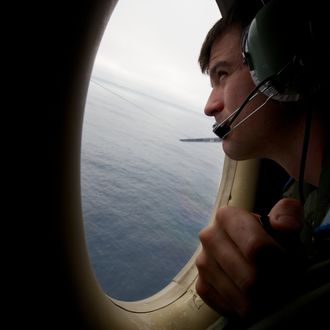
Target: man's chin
231	152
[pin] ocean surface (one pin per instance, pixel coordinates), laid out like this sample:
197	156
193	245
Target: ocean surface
145	194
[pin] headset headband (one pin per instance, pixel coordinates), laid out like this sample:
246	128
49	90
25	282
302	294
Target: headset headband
275	45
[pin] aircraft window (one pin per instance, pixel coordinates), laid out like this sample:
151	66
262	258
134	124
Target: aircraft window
146	194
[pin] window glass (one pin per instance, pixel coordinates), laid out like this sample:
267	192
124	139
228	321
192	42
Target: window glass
146	194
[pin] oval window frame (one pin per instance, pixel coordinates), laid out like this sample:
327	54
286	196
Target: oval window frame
177	305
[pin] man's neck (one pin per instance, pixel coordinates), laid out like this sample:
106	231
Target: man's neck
291	159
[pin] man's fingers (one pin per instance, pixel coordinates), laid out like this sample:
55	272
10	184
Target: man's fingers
287	215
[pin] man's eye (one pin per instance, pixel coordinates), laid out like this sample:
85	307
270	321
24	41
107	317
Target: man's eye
221	75
218	77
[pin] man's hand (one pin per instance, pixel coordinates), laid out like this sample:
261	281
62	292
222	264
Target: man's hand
240	261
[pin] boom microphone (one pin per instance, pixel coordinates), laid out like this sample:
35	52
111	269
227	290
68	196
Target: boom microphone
224	128
221	130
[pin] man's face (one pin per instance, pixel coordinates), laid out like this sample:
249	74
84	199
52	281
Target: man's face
231	83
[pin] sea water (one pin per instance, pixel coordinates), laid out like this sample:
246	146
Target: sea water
145	194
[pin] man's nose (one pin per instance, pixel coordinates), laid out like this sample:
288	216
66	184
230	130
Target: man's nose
214	104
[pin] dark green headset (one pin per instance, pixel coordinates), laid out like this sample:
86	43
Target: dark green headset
277	48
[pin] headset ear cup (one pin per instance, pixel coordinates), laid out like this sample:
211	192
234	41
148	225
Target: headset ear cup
274	45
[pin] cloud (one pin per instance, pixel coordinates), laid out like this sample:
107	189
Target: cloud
154	45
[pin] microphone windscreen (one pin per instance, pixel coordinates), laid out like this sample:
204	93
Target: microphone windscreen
221	130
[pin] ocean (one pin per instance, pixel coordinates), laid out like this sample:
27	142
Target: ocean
145	194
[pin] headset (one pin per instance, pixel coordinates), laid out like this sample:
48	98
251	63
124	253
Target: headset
277	47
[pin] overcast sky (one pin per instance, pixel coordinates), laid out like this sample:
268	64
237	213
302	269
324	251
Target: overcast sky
153	45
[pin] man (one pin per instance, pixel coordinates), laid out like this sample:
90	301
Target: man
243	269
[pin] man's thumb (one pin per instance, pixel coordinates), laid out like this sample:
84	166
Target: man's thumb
287	215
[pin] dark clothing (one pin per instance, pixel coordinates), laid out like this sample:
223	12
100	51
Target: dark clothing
315	235
308	306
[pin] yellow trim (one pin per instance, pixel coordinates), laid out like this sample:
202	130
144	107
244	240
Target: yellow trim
244	187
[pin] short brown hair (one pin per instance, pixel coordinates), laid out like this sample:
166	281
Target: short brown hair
242	13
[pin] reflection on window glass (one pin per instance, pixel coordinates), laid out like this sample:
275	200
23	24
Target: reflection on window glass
146	194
